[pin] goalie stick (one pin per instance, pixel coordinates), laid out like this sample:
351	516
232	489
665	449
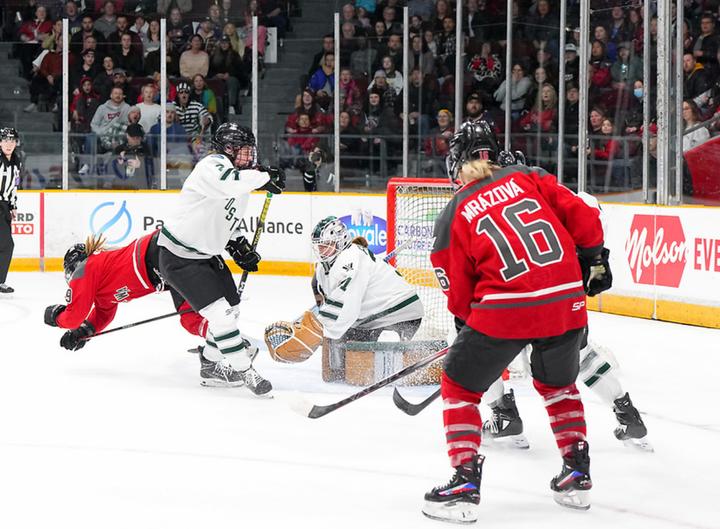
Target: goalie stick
410	408
302	406
256	239
314	309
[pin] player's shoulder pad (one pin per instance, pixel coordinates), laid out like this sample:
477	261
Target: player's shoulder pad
349	259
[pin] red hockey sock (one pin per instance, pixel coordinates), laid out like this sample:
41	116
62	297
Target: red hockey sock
192	321
566	413
461	416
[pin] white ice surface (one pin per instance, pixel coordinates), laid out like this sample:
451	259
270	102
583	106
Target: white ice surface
122	435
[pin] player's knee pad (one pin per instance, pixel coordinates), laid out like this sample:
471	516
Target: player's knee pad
222	332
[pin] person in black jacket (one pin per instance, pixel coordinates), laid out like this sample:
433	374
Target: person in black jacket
226	64
9	180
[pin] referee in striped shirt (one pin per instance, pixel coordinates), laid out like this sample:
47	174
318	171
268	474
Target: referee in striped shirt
9	180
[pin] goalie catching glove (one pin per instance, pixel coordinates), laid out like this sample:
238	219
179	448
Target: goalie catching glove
294	342
596	273
243	254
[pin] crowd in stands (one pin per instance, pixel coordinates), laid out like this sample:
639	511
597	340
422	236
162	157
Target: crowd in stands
371	64
114	66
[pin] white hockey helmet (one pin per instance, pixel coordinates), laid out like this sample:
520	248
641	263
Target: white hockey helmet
329	238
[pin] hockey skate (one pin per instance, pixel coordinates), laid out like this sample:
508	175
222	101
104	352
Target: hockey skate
458	500
6	291
571	488
631	431
218	374
505	427
254	382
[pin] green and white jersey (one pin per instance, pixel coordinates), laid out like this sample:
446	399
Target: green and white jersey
212	203
362	291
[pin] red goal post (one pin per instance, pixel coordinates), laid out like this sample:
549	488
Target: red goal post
413	204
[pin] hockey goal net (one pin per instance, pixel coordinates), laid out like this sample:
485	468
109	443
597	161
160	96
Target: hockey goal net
413	204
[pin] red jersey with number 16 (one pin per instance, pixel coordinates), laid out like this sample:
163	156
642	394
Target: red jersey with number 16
505	254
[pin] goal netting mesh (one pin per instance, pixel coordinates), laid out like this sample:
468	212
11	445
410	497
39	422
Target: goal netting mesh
413	206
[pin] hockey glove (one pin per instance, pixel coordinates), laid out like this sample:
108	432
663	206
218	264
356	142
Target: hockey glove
75	339
52	313
597	276
243	254
277	179
506	158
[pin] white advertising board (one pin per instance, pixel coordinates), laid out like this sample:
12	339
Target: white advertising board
26	230
668	253
123	217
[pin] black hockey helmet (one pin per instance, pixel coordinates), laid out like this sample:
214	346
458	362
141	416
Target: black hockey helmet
474	140
9	133
73	257
230	138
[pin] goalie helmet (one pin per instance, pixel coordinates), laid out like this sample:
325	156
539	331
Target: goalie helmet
73	257
231	139
329	238
472	141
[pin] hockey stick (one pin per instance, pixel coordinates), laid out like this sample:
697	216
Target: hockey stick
256	239
300	405
137	323
409	407
387	258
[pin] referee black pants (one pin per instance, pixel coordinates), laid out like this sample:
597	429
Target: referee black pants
6	242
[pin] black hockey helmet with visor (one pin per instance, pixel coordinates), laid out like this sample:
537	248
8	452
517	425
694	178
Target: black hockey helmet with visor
474	140
329	238
75	255
237	143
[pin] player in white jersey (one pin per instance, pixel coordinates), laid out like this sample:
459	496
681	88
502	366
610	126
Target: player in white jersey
206	221
360	294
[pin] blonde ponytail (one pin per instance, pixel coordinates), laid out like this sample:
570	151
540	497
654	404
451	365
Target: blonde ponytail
477	170
95	243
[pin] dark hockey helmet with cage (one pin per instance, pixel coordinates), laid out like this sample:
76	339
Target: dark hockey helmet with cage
329	238
230	138
73	257
474	140
9	133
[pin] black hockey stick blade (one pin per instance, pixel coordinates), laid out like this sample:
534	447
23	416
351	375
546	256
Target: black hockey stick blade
302	406
409	407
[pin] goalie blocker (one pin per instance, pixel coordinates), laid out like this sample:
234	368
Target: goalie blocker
294	342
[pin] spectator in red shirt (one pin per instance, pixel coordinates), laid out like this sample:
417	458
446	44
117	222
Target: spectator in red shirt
299	144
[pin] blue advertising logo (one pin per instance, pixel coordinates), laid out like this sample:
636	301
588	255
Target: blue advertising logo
365	224
115	226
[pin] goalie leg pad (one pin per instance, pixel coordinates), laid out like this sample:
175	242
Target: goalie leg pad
292	343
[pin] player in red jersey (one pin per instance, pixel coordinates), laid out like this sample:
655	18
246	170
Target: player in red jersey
99	279
505	255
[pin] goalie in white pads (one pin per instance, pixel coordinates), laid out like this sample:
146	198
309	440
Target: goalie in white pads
359	297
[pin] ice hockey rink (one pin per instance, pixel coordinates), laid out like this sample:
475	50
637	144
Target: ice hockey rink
122	435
